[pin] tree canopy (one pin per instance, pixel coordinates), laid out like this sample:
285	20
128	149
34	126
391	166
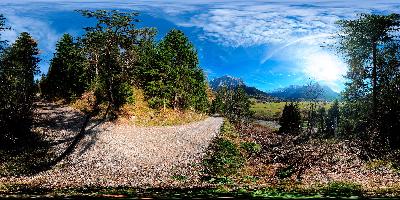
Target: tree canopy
66	77
370	46
19	64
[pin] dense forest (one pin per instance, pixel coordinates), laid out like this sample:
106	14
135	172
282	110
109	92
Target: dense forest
104	69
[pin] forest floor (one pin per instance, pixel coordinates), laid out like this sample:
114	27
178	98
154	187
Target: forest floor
111	155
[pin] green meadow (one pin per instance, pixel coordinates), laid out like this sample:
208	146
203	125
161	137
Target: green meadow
273	110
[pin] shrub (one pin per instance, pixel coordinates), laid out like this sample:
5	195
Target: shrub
85	103
233	104
290	120
285	172
343	189
251	147
225	160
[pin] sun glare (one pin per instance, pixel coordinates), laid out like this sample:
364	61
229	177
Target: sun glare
324	67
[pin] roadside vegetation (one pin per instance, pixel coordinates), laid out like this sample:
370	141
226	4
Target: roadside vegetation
120	73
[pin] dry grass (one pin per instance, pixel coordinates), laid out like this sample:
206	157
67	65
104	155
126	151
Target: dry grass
141	114
85	103
313	164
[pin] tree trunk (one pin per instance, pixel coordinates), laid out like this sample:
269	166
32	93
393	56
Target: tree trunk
374	81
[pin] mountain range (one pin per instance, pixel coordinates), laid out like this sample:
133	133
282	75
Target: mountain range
232	82
293	92
306	92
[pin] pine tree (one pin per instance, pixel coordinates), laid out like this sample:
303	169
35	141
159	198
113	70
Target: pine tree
66	76
370	46
175	79
19	64
321	120
290	120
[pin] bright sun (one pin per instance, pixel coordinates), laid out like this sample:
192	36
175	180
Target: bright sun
325	68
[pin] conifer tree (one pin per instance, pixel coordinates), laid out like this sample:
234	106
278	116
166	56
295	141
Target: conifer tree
370	46
19	64
66	76
175	79
290	120
321	120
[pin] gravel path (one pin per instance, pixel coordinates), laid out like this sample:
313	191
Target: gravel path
123	155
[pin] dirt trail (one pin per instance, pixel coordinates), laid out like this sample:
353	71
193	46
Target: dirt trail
122	155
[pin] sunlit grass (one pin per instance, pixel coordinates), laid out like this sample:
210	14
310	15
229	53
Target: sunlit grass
141	114
273	110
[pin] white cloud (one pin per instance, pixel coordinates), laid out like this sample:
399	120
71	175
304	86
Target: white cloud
258	23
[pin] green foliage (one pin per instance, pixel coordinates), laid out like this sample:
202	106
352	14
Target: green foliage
285	172
228	130
126	93
371	48
251	147
342	189
66	78
225	158
332	119
17	70
233	104
179	177
321	120
172	77
111	47
290	120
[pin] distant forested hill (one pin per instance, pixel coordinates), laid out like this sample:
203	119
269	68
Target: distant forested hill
296	92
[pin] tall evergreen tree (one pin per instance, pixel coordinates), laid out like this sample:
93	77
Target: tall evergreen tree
370	46
175	79
66	76
321	120
19	64
290	120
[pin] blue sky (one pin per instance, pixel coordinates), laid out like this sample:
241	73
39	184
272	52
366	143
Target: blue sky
269	44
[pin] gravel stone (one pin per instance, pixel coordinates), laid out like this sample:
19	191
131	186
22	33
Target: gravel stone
112	155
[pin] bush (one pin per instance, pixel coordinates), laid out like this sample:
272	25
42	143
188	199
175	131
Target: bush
251	147
225	160
342	189
233	104
290	120
86	103
285	172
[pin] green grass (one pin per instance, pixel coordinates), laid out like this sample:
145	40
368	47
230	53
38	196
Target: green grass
21	191
273	110
251	147
341	189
